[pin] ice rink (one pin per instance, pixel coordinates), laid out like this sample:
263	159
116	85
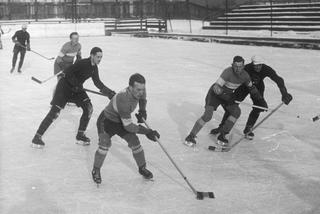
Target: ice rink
278	172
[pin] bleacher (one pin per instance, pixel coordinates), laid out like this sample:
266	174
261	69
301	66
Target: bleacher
134	25
279	17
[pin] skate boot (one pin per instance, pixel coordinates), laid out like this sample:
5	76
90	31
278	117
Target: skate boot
190	140
19	71
96	176
248	134
82	139
37	142
145	173
12	70
215	131
222	140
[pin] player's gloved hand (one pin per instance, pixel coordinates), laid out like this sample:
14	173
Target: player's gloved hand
28	48
108	92
61	75
16	42
142	114
77	89
153	135
217	89
286	98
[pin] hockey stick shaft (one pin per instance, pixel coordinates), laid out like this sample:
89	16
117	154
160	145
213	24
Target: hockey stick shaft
258	124
254	106
43	81
37	53
94	92
172	161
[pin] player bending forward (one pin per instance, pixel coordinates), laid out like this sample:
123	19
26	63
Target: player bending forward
257	70
70	89
116	119
68	52
222	93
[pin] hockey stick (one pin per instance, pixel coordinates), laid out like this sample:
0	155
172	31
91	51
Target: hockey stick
94	92
47	58
254	106
199	195
43	81
227	149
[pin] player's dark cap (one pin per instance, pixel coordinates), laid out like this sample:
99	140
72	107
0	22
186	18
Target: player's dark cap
238	59
95	50
136	78
73	33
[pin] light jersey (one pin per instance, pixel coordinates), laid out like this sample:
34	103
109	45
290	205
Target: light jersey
69	51
121	106
231	81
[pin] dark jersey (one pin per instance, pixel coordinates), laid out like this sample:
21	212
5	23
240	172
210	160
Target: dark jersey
266	71
82	70
22	36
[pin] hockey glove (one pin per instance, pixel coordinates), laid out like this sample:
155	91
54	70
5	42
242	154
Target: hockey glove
286	98
141	115
217	89
153	135
108	92
28	48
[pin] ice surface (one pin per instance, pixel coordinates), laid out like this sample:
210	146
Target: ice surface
276	173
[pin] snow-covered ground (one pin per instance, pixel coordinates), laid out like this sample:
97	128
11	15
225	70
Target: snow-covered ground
277	173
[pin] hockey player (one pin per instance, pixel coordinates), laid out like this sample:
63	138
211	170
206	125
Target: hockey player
116	119
221	93
257	70
68	52
70	89
1	32
21	39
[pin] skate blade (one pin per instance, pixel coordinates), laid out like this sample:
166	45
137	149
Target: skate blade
248	137
36	146
189	144
81	143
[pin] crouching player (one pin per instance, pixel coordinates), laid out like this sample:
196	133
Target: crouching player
222	93
116	119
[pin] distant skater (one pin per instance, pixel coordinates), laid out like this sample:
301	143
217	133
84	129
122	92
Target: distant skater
21	39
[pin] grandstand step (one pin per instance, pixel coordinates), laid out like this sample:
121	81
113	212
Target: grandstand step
274	13
312	4
258	23
267	18
264	27
268	9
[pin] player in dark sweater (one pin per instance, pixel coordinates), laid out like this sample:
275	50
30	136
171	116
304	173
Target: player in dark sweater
21	39
70	89
257	71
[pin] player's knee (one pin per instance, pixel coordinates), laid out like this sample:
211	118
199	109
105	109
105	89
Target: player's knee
90	109
132	140
235	111
87	108
104	140
208	113
54	112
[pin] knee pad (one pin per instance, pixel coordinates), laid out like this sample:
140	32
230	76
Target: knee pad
207	115
104	141
54	112
234	110
132	139
88	108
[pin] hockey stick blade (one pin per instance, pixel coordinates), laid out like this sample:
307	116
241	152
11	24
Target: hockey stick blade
202	195
314	119
36	80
